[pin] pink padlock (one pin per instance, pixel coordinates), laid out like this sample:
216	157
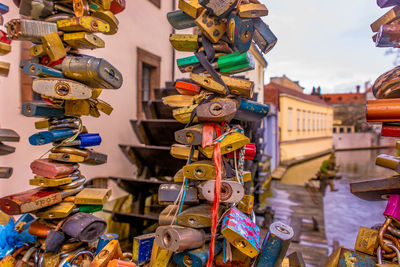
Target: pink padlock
393	208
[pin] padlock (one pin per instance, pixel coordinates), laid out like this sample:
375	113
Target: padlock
208	83
390	130
231	142
383	110
120	263
187	64
46	137
239	87
238	259
212	27
54	123
108	17
52	169
387	18
197	257
88	208
84	227
183	114
41	110
178	238
53	46
33	69
263	37
89	157
37	51
4	68
388	36
367	241
167	215
191	7
296	259
81	7
246	204
103	4
180	20
101	105
186	88
85	140
71	261
193	135
29	30
53	242
183	152
168	193
46	182
241	232
178	101
275	245
61	88
216	111
231	191
93	196
8	135
160	257
5	172
23	262
387	85
104	240
249	152
387	3
77	107
252	10
39	229
185	42
379	256
343	257
392	214
200	170
240	32
235	63
5	150
58	211
196	217
142	247
117	6
220	8
4	48
3	38
388	161
34	199
9	260
83	40
111	251
3	9
251	110
85	23
38	9
94	72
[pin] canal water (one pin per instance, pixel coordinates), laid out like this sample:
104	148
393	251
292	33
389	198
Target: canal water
343	212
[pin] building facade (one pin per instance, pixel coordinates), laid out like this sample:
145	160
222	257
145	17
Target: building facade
141	51
304	121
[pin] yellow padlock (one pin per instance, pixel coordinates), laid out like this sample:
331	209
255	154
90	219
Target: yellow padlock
183	114
4	68
83	40
185	42
183	152
231	142
200	170
160	257
4	48
37	51
252	10
92	196
210	26
85	23
246	204
58	211
178	101
46	182
108	17
367	241
191	7
54	46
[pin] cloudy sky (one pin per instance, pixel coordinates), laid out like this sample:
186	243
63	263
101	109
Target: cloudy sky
326	43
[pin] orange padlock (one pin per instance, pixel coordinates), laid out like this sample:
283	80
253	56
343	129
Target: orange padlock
121	263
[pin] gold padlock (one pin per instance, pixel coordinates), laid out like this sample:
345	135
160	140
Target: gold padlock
367	241
246	176
200	170
178	177
54	46
37	51
65	157
252	10
210	26
4	68
85	23
178	101
77	107
231	142
108	17
50	259
111	251
83	40
46	182
96	93
238	86
4	48
246	204
104	107
58	211
191	7
160	257
183	114
92	196
183	152
208	83
103	4
185	42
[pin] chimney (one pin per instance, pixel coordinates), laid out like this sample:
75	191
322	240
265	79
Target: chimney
313	91
358	89
319	90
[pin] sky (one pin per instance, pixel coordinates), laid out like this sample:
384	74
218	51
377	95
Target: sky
325	43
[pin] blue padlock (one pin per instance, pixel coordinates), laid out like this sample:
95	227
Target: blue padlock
33	69
197	257
240	32
142	248
251	111
45	137
180	20
264	38
24	222
41	110
104	240
86	140
3	9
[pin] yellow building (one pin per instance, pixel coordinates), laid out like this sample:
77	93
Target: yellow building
304	121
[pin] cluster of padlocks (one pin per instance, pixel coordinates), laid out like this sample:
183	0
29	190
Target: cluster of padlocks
6	135
209	219
56	226
379	245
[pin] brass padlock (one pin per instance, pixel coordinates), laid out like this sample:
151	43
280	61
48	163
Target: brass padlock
208	83
108	17
183	152
200	170
367	241
191	7
92	196
160	257
37	51
388	161
81	7
252	10
212	27
83	40
85	23
4	48
77	107
196	217
246	204
47	182
4	68
58	211
185	42
183	114
389	17
231	142
103	4
178	101
53	46
111	251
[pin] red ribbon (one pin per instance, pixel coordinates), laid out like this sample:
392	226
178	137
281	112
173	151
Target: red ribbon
215	207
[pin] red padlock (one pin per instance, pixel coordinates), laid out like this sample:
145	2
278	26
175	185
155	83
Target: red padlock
117	6
186	88
249	153
3	37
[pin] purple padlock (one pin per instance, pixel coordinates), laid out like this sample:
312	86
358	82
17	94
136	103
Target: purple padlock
387	3
393	208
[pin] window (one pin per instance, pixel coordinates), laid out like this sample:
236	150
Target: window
349	130
340	98
157	3
334	129
290	111
148	78
313	121
298	119
304	120
341	129
309	121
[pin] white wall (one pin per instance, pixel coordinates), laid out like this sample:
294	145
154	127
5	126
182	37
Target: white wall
141	24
